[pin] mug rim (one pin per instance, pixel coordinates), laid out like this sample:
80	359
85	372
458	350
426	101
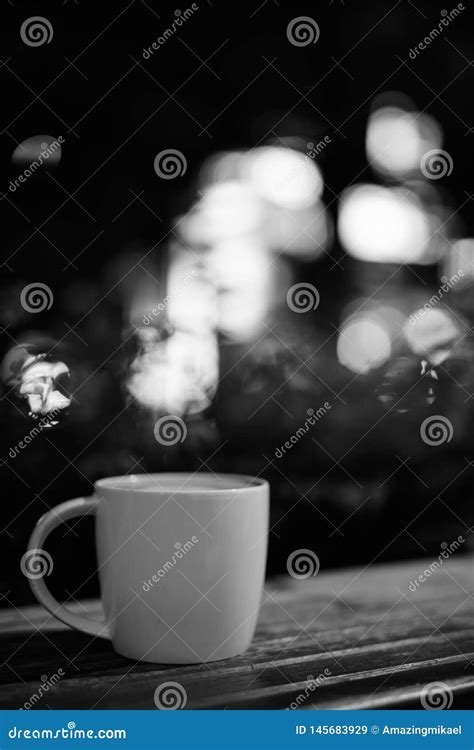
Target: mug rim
128	480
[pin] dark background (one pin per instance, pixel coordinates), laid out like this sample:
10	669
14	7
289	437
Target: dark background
231	70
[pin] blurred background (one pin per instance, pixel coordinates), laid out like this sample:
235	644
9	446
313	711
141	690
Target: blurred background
247	248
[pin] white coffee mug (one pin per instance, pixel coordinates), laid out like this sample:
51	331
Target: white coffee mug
181	563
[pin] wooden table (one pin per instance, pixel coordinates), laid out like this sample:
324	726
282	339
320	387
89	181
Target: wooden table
373	642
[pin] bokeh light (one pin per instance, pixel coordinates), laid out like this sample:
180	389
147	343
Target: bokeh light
363	344
460	258
385	225
242	273
396	140
225	210
433	332
284	176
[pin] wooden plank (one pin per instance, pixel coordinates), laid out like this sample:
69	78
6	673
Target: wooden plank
378	641
261	684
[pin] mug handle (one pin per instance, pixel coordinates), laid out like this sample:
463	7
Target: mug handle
81	506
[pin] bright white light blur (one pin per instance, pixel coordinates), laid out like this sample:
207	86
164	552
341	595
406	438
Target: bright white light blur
396	139
226	210
191	296
283	176
242	273
432	332
193	308
269	194
363	343
460	257
386	225
176	376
